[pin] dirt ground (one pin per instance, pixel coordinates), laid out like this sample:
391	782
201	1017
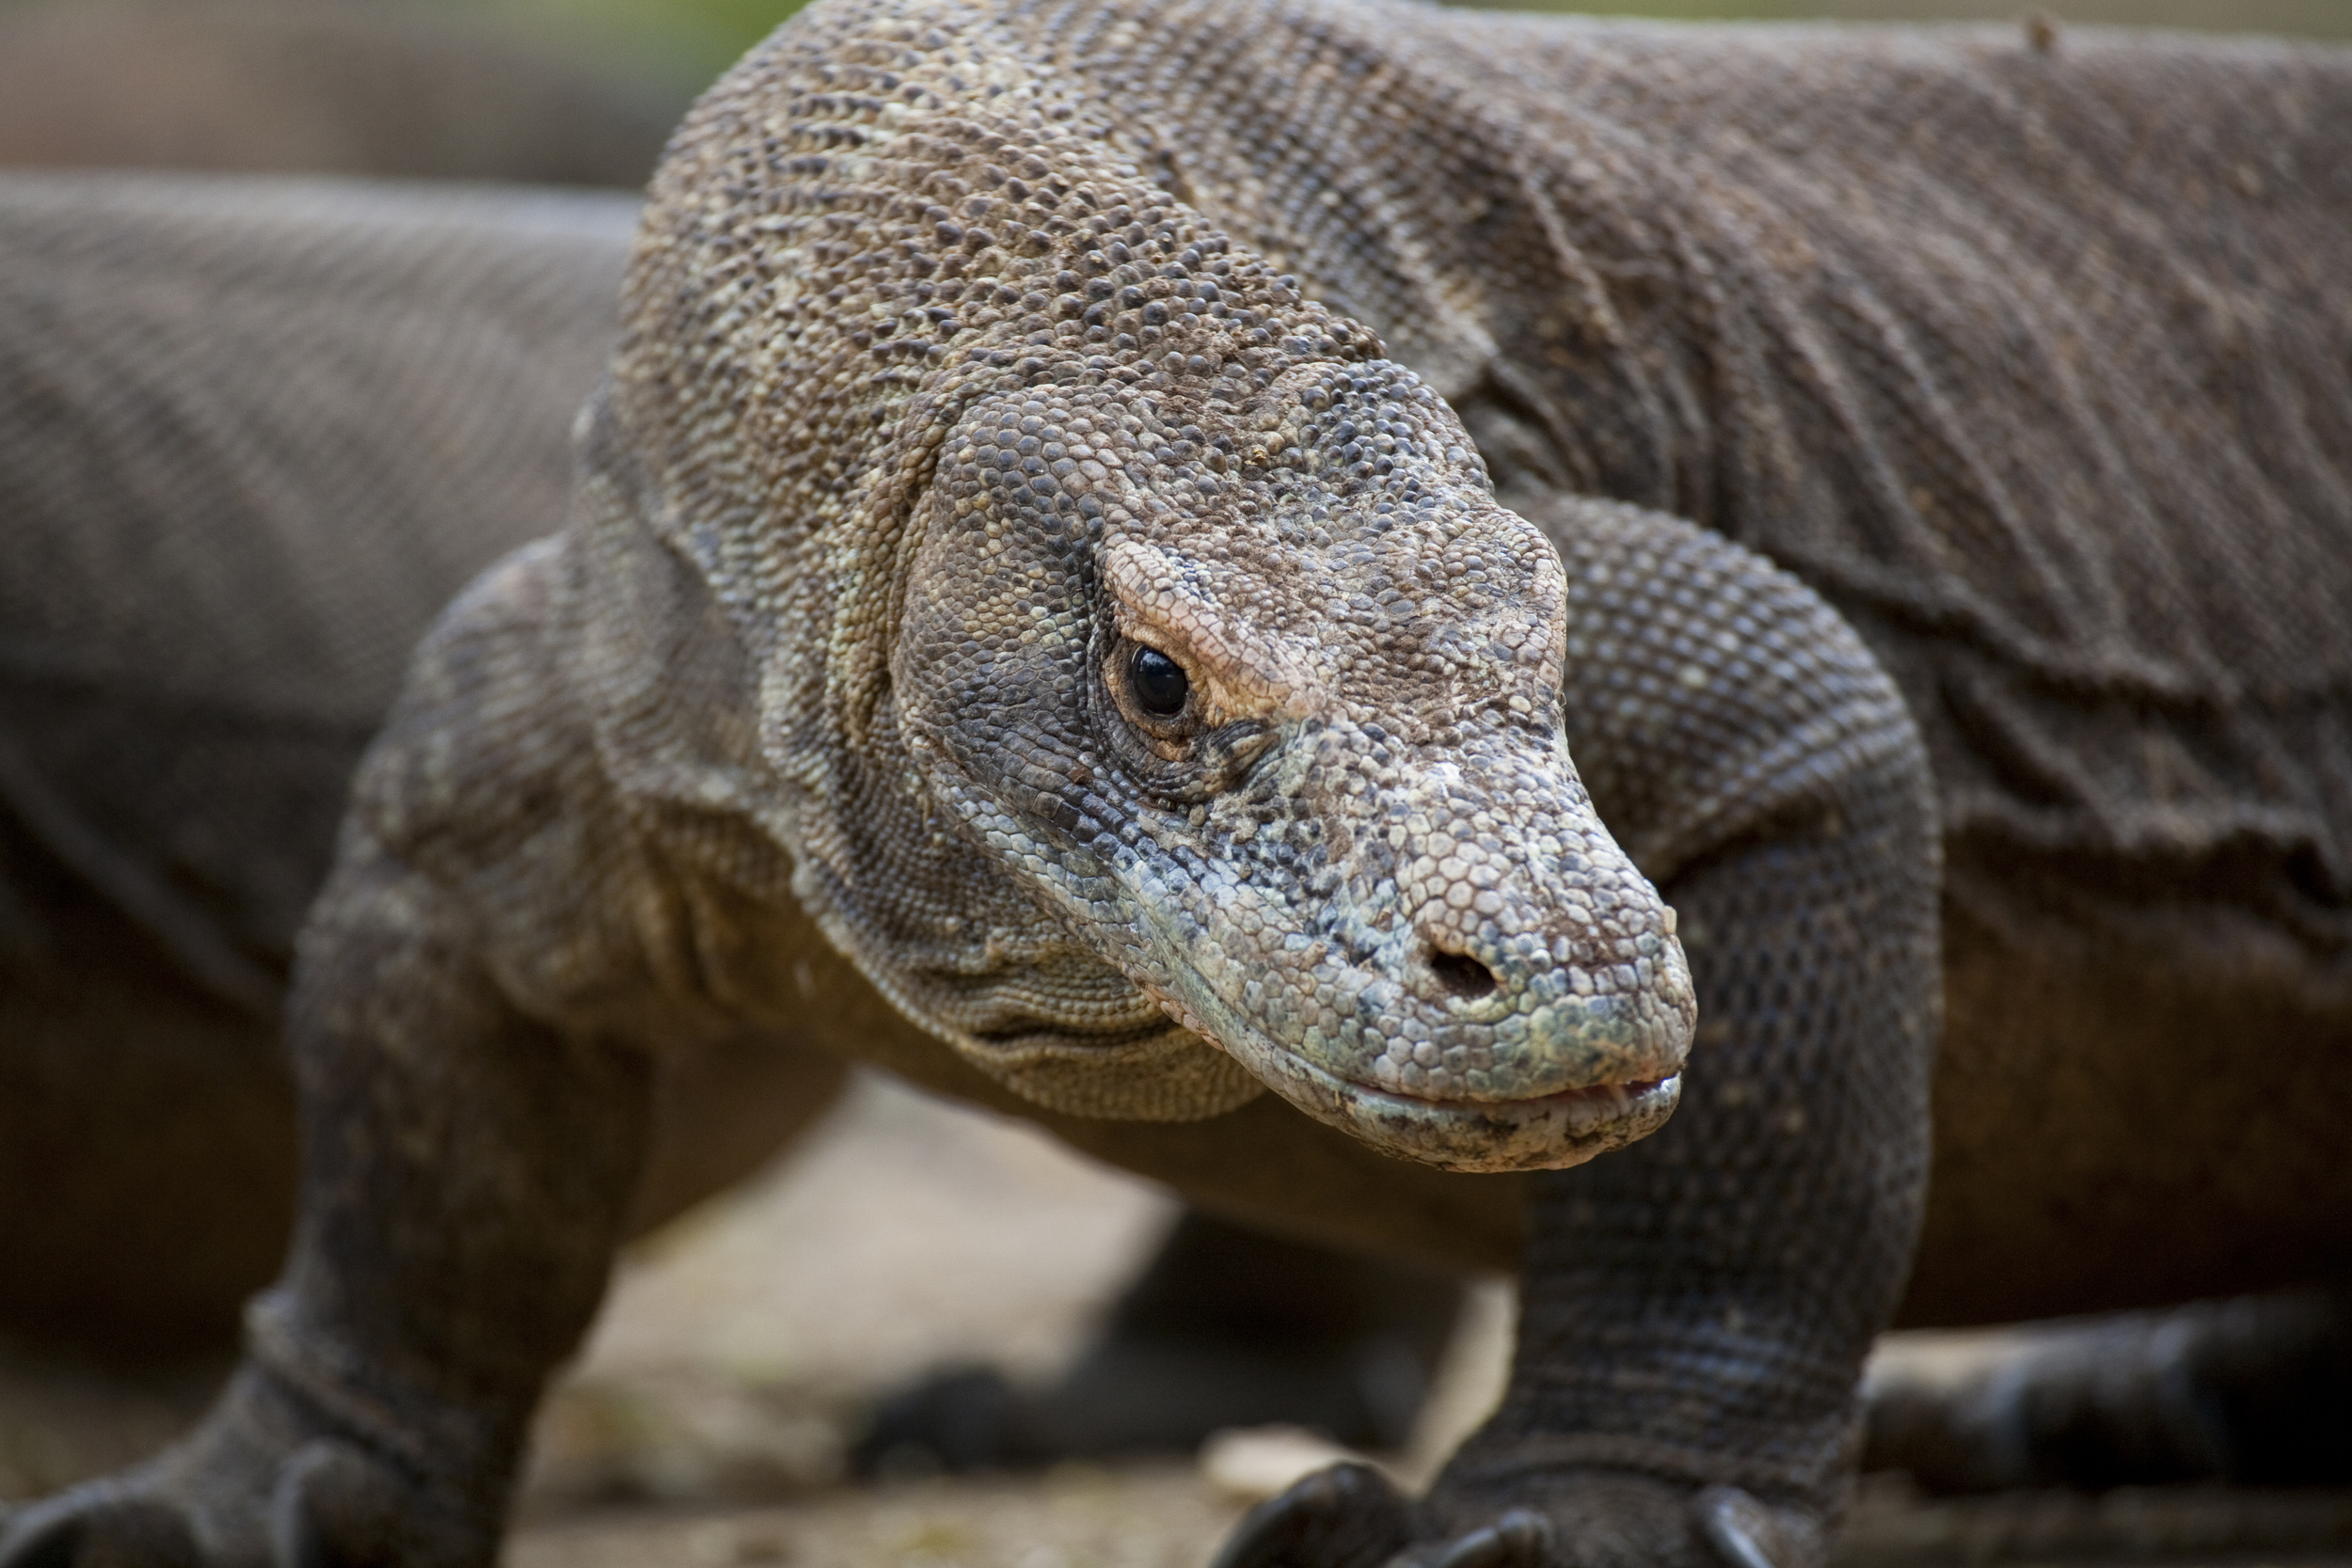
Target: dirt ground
707	1421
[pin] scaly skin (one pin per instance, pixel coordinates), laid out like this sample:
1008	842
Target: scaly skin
956	375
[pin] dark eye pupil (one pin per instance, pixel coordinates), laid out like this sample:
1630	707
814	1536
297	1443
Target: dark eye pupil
1160	682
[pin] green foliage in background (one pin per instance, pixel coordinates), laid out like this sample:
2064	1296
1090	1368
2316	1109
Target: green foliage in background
701	38
696	37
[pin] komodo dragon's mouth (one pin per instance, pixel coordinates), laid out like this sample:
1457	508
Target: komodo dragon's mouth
1538	1132
1590	1108
1545	1132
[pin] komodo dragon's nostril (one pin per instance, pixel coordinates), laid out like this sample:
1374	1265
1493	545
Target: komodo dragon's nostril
1460	974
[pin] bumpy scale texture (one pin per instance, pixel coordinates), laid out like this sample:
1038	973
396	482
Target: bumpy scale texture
993	566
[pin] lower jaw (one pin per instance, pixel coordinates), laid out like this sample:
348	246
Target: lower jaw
1550	1133
1547	1132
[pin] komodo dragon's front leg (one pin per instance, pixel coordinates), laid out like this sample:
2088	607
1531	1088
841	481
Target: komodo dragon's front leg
468	1170
1695	1308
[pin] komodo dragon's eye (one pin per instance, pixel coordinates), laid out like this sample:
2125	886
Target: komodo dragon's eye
1158	682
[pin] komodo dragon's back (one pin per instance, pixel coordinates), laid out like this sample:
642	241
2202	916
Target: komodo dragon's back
2033	353
253	434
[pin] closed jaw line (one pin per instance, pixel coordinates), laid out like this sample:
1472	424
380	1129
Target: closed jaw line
1588	1108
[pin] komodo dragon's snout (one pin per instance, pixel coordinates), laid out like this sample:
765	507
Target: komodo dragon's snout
1271	716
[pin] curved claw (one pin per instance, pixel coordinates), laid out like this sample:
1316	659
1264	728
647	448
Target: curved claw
1731	1521
1520	1539
1348	1516
97	1527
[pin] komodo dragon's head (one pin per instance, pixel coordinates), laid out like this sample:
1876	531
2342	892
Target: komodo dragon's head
1135	644
1275	724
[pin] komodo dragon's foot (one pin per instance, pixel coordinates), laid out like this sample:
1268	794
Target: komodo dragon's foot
1349	1516
2256	1391
1134	1394
1227	1327
264	1483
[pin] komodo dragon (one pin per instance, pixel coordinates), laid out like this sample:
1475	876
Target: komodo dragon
1012	629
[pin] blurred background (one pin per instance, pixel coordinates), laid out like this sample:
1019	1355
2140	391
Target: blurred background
579	91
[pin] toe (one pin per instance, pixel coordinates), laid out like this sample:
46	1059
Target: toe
1348	1516
1520	1539
1742	1533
